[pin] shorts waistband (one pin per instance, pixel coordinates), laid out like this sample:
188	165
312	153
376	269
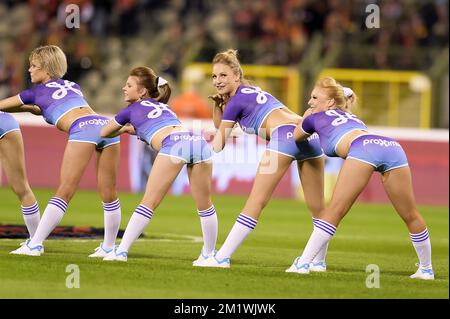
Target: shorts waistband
175	133
375	139
372	136
86	117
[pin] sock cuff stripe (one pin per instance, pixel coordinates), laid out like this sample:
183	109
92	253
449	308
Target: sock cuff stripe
32	213
323	223
248	218
206	210
419	234
58	202
420	238
112	204
145	208
112	207
246	221
62	207
245	224
30	210
32	207
144	211
328	231
207	214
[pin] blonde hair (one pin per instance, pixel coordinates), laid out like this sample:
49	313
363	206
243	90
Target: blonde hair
149	80
230	58
52	59
335	91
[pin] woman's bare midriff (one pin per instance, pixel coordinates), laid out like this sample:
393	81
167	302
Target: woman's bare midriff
276	118
158	137
67	119
344	144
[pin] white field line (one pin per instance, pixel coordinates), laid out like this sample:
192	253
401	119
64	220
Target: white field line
176	238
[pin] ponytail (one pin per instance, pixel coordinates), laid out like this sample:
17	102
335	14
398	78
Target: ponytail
157	87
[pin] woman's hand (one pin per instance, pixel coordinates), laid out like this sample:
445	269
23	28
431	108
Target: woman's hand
129	129
299	134
33	109
219	104
219	101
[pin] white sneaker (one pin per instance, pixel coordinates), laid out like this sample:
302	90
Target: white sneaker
114	256
100	252
202	257
299	268
25	249
213	262
26	241
425	273
320	266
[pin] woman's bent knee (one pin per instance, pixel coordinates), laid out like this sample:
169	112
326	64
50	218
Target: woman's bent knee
108	195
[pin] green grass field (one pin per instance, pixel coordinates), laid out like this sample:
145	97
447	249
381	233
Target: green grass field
160	265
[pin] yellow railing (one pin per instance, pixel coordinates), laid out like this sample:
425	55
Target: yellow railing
416	82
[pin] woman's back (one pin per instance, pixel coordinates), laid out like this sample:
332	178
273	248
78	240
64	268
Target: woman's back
57	99
251	107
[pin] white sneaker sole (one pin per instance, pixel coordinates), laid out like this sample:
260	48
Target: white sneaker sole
422	277
115	259
20	251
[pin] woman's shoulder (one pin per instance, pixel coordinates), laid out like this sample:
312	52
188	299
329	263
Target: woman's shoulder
59	82
313	115
147	101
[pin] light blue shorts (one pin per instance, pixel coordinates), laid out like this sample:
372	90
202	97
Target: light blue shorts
87	129
381	152
7	124
186	146
282	141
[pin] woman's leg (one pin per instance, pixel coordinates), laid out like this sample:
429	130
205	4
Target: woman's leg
13	161
398	186
76	158
200	176
164	171
311	174
107	167
352	179
270	171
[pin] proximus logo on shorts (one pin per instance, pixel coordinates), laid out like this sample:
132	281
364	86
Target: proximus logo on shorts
187	137
380	142
314	136
101	122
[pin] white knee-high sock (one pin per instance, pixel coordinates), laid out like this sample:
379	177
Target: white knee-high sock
52	216
112	216
208	221
138	221
422	245
322	254
321	235
32	216
242	227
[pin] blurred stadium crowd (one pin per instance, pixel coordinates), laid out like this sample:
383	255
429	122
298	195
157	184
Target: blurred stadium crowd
167	35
